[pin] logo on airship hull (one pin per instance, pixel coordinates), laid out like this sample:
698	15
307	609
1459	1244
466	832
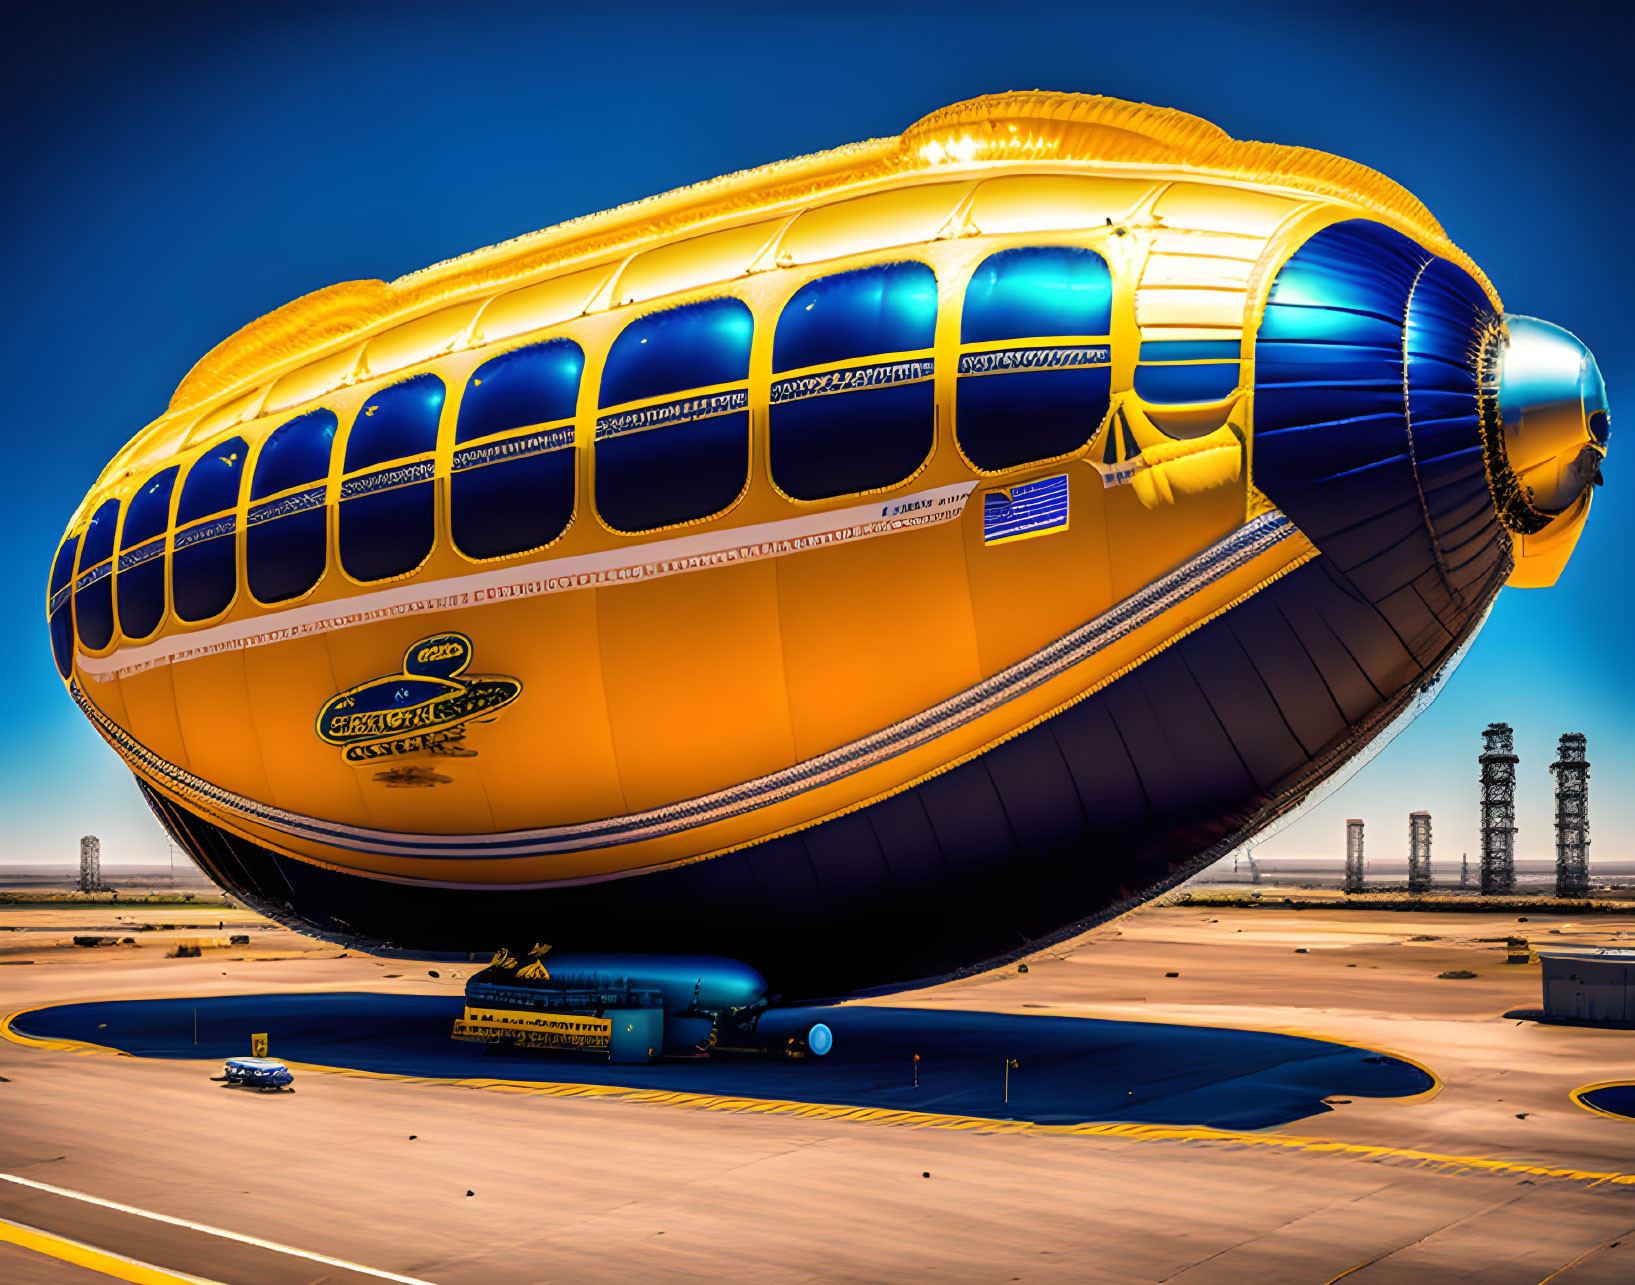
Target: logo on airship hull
424	709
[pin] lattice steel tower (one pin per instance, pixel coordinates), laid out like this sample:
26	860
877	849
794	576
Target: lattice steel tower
90	864
1572	773
1419	852
1498	762
1354	855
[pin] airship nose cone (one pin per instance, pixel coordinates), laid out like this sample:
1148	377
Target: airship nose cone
1553	403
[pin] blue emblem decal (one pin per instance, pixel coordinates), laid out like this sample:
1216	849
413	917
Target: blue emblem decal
424	709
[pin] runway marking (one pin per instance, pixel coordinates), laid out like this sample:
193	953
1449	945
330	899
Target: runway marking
1467	1217
208	1230
1123	1130
89	1256
1593	1249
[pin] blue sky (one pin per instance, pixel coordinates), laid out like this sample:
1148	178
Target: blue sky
174	171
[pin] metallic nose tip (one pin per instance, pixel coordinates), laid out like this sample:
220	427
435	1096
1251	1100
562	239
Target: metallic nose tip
1553	403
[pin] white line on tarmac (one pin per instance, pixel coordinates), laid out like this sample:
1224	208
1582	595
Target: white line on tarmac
102	1261
213	1231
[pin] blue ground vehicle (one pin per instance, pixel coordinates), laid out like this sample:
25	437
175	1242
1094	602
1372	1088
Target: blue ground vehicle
264	1073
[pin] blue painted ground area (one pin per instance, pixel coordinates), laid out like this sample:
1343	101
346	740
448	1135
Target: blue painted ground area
1616	1098
1071	1069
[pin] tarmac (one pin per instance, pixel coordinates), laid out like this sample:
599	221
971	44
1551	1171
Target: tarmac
578	1172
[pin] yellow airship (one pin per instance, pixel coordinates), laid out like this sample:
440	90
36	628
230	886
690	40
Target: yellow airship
863	567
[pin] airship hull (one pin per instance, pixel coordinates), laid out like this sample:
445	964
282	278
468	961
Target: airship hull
882	574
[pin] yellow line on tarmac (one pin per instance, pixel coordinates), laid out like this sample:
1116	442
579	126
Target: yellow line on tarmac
1593	1249
208	1230
1124	1130
17	1037
97	1260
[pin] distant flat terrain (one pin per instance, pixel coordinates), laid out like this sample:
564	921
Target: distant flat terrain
185	877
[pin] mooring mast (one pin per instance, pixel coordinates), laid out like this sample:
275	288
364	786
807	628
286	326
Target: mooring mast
1354	855
1419	852
1498	762
90	864
1572	773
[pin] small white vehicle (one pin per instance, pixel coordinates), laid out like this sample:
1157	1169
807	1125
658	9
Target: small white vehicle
264	1073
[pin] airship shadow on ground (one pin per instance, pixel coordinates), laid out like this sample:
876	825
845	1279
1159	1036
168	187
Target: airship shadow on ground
1067	1070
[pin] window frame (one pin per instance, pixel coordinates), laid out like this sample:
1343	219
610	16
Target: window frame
1118	298
1216	354
64	592
162	553
591	395
326	505
775	310
108	562
535	339
236	513
431	459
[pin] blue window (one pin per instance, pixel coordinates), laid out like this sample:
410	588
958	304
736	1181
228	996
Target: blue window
62	570
852	422
891	308
696	346
686	457
139	576
397	422
512	483
286	536
1175	371
59	611
1026	395
1037	290
386	517
94	586
212	482
295	454
204	550
148	513
98	545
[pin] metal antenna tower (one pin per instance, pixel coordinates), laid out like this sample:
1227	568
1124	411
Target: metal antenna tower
1419	852
1572	773
90	864
1498	762
1354	855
